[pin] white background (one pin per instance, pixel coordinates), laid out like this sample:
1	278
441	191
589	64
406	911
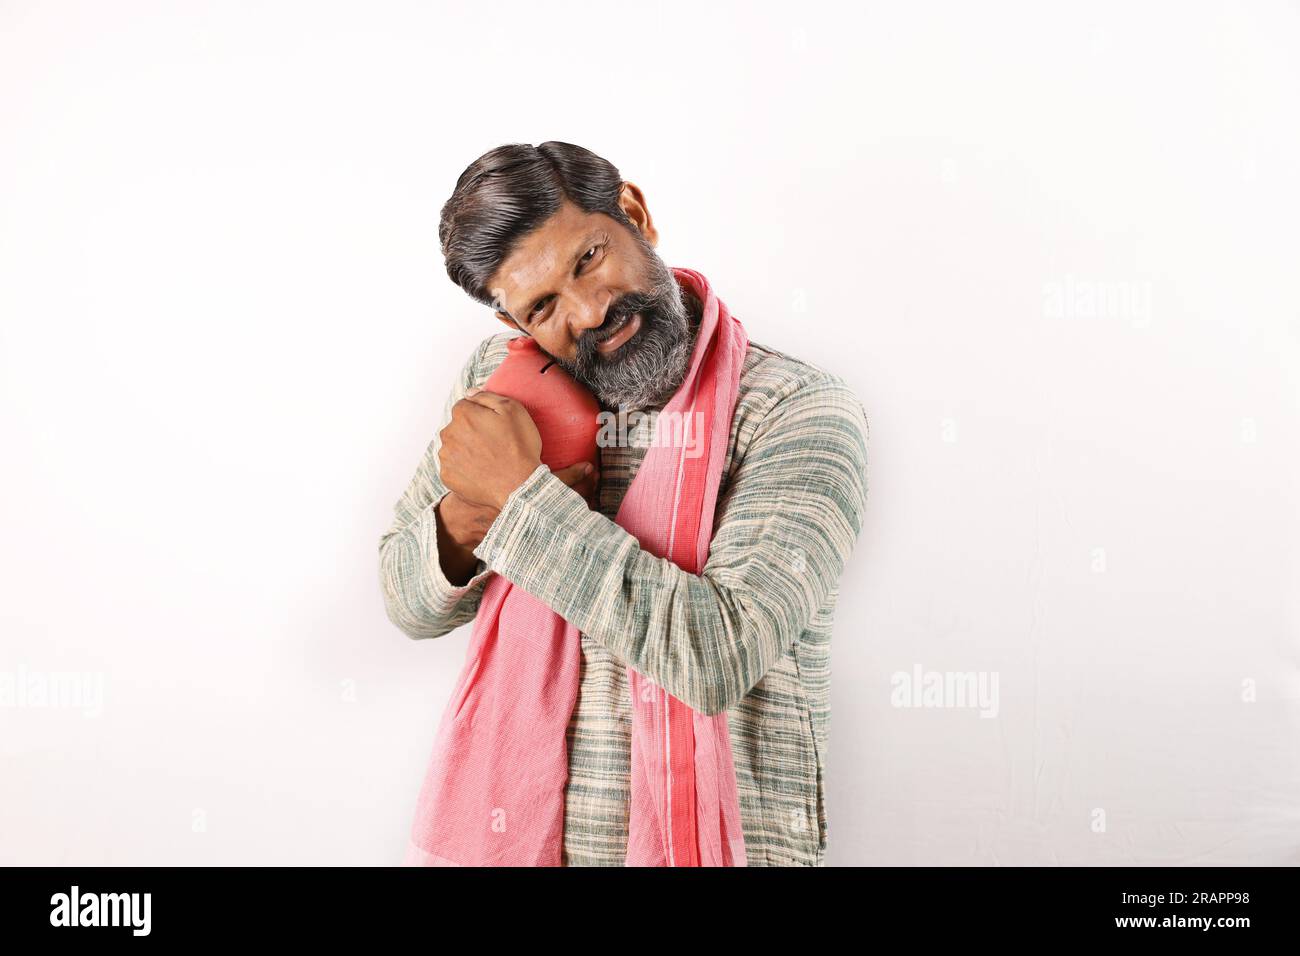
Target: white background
226	335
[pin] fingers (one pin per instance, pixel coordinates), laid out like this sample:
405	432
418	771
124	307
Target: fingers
472	408
583	478
490	400
574	473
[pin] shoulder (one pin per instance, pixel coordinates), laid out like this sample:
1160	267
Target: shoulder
489	354
776	386
799	425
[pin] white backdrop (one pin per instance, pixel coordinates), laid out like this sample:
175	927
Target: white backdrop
1053	250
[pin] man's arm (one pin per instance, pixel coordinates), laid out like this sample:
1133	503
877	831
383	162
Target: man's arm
432	580
419	551
786	526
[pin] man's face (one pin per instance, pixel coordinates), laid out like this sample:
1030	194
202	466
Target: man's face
600	301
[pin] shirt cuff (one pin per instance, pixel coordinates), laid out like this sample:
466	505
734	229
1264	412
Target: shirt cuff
541	499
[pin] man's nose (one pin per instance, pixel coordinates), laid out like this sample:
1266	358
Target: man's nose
588	312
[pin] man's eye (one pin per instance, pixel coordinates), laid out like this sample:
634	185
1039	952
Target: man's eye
537	309
589	254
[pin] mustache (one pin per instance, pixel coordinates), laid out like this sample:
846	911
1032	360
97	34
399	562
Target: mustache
626	306
654	366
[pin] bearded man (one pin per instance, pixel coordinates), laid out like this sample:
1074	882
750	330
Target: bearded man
693	573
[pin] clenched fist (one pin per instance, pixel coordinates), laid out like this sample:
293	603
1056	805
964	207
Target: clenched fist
488	448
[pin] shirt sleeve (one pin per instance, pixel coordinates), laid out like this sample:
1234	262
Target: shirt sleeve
785	525
419	599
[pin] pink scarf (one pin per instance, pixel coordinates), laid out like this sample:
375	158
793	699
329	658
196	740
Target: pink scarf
494	791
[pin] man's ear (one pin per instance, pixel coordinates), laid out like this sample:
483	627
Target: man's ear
632	201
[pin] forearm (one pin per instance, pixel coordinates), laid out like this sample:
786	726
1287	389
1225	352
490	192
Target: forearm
784	528
705	642
461	527
430	580
458	562
420	597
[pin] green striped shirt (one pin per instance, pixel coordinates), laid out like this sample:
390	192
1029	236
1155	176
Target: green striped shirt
750	635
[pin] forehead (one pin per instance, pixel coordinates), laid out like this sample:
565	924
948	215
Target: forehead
544	255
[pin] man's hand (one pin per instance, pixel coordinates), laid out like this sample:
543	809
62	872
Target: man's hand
582	479
488	448
463	524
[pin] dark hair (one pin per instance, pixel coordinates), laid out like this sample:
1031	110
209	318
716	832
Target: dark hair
507	193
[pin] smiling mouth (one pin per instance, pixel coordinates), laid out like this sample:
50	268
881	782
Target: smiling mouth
626	328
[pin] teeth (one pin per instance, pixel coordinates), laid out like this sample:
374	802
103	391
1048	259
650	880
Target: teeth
618	328
626	329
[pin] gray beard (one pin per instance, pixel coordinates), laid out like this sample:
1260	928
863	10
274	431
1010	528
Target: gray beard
651	365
